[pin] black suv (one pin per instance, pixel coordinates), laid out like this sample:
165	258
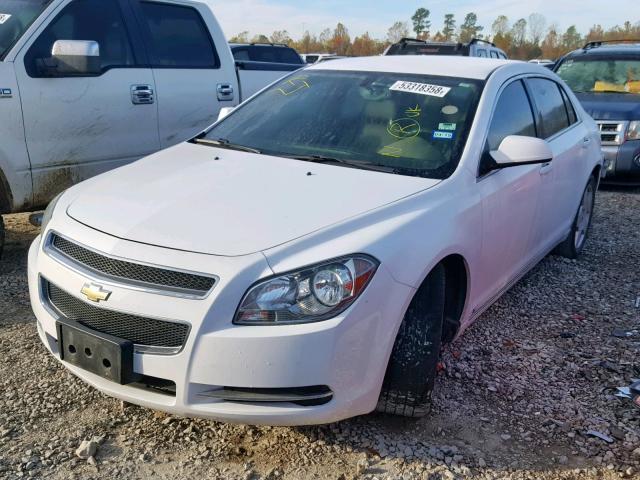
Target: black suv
265	52
605	76
475	48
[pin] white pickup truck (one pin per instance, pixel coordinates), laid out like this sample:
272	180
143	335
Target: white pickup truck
89	85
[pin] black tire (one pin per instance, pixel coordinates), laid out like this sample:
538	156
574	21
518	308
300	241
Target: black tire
411	372
572	246
1	235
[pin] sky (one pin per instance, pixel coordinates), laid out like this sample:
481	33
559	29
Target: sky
375	16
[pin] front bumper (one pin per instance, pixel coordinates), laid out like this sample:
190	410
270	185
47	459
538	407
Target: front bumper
348	354
622	163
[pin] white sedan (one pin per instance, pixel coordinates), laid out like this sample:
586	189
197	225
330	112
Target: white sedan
304	259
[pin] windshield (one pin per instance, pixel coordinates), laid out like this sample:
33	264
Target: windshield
406	124
15	17
602	74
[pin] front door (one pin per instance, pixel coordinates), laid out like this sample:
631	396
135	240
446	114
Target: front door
79	126
510	199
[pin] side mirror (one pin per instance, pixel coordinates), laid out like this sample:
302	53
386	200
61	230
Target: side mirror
76	57
224	111
518	150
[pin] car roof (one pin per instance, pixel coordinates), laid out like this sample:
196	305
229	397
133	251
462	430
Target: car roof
607	49
441	65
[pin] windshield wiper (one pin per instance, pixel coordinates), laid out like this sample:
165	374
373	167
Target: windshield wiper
224	143
349	163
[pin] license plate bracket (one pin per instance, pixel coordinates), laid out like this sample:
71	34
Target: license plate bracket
99	353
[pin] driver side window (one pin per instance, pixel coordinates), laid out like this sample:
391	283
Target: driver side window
97	20
513	116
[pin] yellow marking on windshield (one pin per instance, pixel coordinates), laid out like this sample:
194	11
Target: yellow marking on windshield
413	112
293	85
391	151
404	128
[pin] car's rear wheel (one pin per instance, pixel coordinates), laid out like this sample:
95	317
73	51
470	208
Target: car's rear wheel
411	372
573	245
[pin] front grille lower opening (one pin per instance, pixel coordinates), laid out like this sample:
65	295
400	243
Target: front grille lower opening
158	385
134	272
141	331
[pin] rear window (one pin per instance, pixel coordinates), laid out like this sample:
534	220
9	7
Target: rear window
426	49
179	38
274	54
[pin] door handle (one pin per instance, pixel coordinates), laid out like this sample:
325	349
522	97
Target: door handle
225	92
142	95
545	168
586	141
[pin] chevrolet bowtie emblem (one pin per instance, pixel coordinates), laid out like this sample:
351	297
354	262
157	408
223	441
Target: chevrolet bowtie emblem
95	293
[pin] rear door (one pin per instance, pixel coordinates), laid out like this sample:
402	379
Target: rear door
560	191
193	80
79	126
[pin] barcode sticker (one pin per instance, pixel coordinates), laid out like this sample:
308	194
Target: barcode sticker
420	88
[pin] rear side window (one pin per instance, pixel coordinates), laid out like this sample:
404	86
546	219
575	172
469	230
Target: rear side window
573	118
274	54
550	105
241	54
96	20
513	116
179	37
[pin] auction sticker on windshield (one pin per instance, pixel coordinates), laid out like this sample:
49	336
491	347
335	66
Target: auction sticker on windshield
4	17
420	88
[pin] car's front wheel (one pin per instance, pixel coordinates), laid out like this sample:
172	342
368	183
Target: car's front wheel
411	372
573	245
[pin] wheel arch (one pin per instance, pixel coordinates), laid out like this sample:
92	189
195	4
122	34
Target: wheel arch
457	278
6	198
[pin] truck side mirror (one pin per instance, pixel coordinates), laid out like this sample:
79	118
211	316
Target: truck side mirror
75	57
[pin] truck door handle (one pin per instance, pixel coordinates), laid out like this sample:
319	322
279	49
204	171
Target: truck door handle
142	95
225	92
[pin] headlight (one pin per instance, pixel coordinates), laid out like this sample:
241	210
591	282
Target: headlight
633	132
310	294
48	213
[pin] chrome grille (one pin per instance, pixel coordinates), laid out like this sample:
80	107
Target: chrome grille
612	132
159	336
133	273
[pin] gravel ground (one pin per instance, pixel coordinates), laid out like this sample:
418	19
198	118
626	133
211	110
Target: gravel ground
515	398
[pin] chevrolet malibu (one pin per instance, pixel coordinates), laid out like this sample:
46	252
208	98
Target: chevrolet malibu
305	258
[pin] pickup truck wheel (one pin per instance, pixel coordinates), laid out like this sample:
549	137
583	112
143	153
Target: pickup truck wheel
1	235
573	245
411	372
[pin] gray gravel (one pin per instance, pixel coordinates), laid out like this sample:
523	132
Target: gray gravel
516	396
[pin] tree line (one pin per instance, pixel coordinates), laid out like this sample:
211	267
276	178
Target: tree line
524	39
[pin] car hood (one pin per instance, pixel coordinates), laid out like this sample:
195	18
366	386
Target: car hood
222	202
611	106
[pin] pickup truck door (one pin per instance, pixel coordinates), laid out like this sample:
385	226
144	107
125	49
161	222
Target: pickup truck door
509	200
77	126
192	65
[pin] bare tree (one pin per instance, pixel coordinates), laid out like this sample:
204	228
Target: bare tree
537	26
398	31
281	36
500	25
